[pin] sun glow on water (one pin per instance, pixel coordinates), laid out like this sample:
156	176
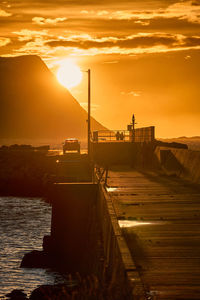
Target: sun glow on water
69	74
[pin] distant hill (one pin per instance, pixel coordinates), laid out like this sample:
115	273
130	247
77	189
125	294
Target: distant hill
34	106
192	142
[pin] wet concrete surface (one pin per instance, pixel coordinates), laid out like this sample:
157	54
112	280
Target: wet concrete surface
160	217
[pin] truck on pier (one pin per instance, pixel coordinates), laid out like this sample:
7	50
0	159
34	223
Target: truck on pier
71	145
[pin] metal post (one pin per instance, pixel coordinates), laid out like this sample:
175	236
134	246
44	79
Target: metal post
133	122
89	100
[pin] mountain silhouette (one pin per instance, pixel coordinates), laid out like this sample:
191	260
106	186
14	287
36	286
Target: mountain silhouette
33	105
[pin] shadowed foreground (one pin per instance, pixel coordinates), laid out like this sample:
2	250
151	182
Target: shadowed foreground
76	288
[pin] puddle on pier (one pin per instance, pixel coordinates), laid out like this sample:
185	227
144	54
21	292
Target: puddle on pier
134	223
120	190
131	223
111	189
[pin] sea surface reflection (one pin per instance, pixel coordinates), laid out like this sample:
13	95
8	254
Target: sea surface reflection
23	223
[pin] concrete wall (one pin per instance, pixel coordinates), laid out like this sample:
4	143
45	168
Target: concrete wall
86	237
73	228
181	162
144	134
72	167
113	153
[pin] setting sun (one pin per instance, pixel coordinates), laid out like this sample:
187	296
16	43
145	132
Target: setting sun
69	74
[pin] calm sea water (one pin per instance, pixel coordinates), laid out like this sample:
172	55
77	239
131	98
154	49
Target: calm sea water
23	223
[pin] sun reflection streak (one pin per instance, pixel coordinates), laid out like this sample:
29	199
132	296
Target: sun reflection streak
130	223
111	189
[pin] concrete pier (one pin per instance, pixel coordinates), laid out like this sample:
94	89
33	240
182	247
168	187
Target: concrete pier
139	234
159	217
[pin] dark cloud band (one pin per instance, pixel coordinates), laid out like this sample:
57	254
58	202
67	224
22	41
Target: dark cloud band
170	41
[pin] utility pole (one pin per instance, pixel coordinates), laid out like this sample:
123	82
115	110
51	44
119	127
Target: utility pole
89	102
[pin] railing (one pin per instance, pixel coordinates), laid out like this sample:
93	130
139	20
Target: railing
145	134
111	136
101	174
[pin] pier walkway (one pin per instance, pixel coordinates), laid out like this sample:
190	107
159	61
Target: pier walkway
160	220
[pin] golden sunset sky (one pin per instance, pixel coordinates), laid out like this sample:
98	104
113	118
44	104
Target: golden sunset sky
144	55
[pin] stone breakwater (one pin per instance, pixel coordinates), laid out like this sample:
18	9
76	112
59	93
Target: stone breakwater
24	172
27	171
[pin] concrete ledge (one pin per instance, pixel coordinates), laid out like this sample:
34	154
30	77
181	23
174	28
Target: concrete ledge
181	162
120	269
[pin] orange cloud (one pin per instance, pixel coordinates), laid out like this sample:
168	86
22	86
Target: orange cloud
131	93
4	41
188	10
47	21
4	13
27	35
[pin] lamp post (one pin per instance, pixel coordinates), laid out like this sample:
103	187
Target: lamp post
89	110
89	105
